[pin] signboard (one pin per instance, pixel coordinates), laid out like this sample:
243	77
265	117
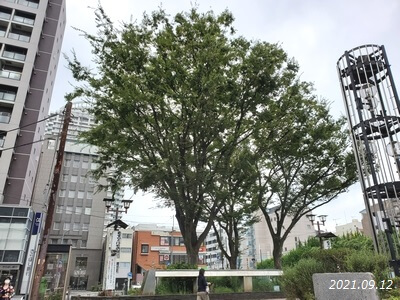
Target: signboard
36	224
159	248
130	274
110	276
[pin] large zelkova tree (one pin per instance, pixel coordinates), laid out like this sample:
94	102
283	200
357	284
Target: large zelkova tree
173	98
305	164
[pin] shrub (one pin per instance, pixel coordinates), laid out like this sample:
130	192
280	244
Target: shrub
366	261
233	284
263	284
297	280
179	285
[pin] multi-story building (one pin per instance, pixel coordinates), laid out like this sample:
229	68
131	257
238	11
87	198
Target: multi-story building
214	257
80	210
31	33
263	244
156	247
118	258
355	226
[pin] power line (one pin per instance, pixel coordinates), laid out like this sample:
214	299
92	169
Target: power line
18	128
30	143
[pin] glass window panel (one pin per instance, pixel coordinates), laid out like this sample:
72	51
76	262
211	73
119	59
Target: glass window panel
71	194
11	256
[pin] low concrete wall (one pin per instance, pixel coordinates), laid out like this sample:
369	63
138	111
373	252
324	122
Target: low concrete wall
230	296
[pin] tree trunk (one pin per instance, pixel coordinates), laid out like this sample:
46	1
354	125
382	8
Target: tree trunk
277	253
233	261
192	255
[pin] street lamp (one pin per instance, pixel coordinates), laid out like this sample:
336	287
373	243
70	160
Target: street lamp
322	218
126	204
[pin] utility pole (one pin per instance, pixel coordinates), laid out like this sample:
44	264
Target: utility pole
51	205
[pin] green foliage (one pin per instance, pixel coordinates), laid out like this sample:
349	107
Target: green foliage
181	266
356	241
297	280
263	284
176	99
178	285
266	264
230	284
136	291
365	261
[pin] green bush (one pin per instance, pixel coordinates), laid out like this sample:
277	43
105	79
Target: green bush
263	284
297	280
179	285
233	284
366	261
222	290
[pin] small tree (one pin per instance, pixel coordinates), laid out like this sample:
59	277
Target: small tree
304	165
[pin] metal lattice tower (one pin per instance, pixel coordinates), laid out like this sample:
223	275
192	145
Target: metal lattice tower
372	108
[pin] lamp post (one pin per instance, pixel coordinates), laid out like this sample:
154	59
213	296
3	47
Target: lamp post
322	218
109	201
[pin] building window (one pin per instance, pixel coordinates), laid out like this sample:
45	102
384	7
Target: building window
78	210
74	243
62	193
85	227
127	235
75	164
71	194
82	179
69	210
145	249
76	227
164	240
59	209
178	241
54	241
74	178
125	250
67	163
81	194
64	178
83	244
67	226
89	195
88	210
56	226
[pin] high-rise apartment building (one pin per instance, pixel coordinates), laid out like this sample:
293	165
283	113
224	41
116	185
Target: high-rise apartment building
31	33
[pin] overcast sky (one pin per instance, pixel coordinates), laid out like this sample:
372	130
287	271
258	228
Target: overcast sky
316	33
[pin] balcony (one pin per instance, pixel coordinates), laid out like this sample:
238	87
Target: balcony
28	3
5	117
4	15
7	96
19	37
24	20
14	55
10	74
